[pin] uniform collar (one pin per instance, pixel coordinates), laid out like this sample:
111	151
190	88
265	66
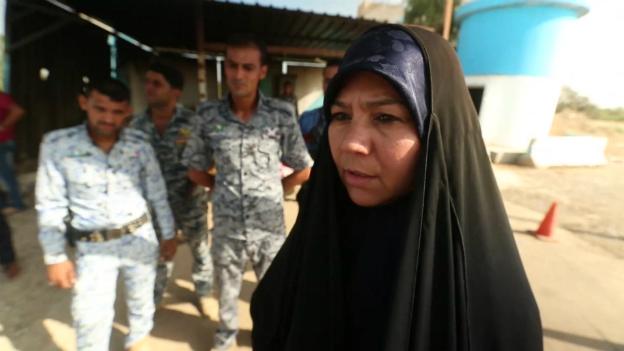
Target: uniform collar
84	132
261	107
177	112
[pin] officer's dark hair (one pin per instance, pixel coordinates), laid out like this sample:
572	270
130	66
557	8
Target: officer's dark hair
172	75
115	89
246	41
333	62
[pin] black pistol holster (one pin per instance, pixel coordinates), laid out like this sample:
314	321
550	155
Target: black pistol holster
71	234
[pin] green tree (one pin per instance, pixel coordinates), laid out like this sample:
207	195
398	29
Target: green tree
429	13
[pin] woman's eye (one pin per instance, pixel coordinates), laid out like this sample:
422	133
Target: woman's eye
384	118
339	116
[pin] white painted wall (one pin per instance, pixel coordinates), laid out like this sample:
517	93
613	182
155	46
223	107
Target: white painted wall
515	109
569	151
381	11
308	87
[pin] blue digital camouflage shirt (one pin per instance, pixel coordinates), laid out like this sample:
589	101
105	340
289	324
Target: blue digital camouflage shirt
247	199
187	201
101	191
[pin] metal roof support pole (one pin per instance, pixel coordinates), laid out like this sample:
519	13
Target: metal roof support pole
201	55
448	18
4	56
219	78
112	45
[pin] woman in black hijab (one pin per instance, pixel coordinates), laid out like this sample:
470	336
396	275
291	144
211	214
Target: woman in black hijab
402	241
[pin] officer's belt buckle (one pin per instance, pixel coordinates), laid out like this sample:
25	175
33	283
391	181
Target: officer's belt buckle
115	233
98	236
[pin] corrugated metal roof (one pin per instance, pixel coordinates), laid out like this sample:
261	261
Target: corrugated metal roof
318	11
166	23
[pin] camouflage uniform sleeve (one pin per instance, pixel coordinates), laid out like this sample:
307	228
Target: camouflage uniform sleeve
138	122
197	152
51	204
134	122
294	152
155	192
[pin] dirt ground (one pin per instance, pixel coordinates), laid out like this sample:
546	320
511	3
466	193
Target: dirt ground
35	317
590	199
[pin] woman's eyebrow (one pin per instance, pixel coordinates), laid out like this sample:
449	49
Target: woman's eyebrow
375	103
339	104
384	102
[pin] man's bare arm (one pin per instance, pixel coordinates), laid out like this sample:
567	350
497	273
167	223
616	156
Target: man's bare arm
296	178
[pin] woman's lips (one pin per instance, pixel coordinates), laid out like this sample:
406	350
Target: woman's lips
357	179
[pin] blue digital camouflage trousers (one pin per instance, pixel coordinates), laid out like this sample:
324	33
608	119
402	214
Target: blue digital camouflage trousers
196	233
230	257
98	265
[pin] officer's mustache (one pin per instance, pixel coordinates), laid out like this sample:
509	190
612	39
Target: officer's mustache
105	124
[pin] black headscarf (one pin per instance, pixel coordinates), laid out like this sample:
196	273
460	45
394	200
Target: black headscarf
435	270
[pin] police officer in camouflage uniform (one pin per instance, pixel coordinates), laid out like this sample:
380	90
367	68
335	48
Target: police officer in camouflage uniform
168	127
95	184
245	136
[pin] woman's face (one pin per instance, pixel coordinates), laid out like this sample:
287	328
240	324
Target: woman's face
373	140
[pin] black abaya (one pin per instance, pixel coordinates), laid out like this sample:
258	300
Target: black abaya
442	264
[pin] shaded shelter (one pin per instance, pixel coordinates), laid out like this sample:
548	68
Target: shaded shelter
70	39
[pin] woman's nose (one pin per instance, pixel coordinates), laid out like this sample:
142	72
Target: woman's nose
357	139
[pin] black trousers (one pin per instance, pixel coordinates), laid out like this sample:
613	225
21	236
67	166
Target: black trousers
7	253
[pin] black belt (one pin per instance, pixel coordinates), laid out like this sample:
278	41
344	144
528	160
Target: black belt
101	235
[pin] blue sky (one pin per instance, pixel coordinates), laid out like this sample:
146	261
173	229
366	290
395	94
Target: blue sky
332	7
594	55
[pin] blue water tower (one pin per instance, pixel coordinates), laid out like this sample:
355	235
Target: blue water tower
509	50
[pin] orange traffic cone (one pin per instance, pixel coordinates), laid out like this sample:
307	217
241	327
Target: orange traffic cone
547	227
